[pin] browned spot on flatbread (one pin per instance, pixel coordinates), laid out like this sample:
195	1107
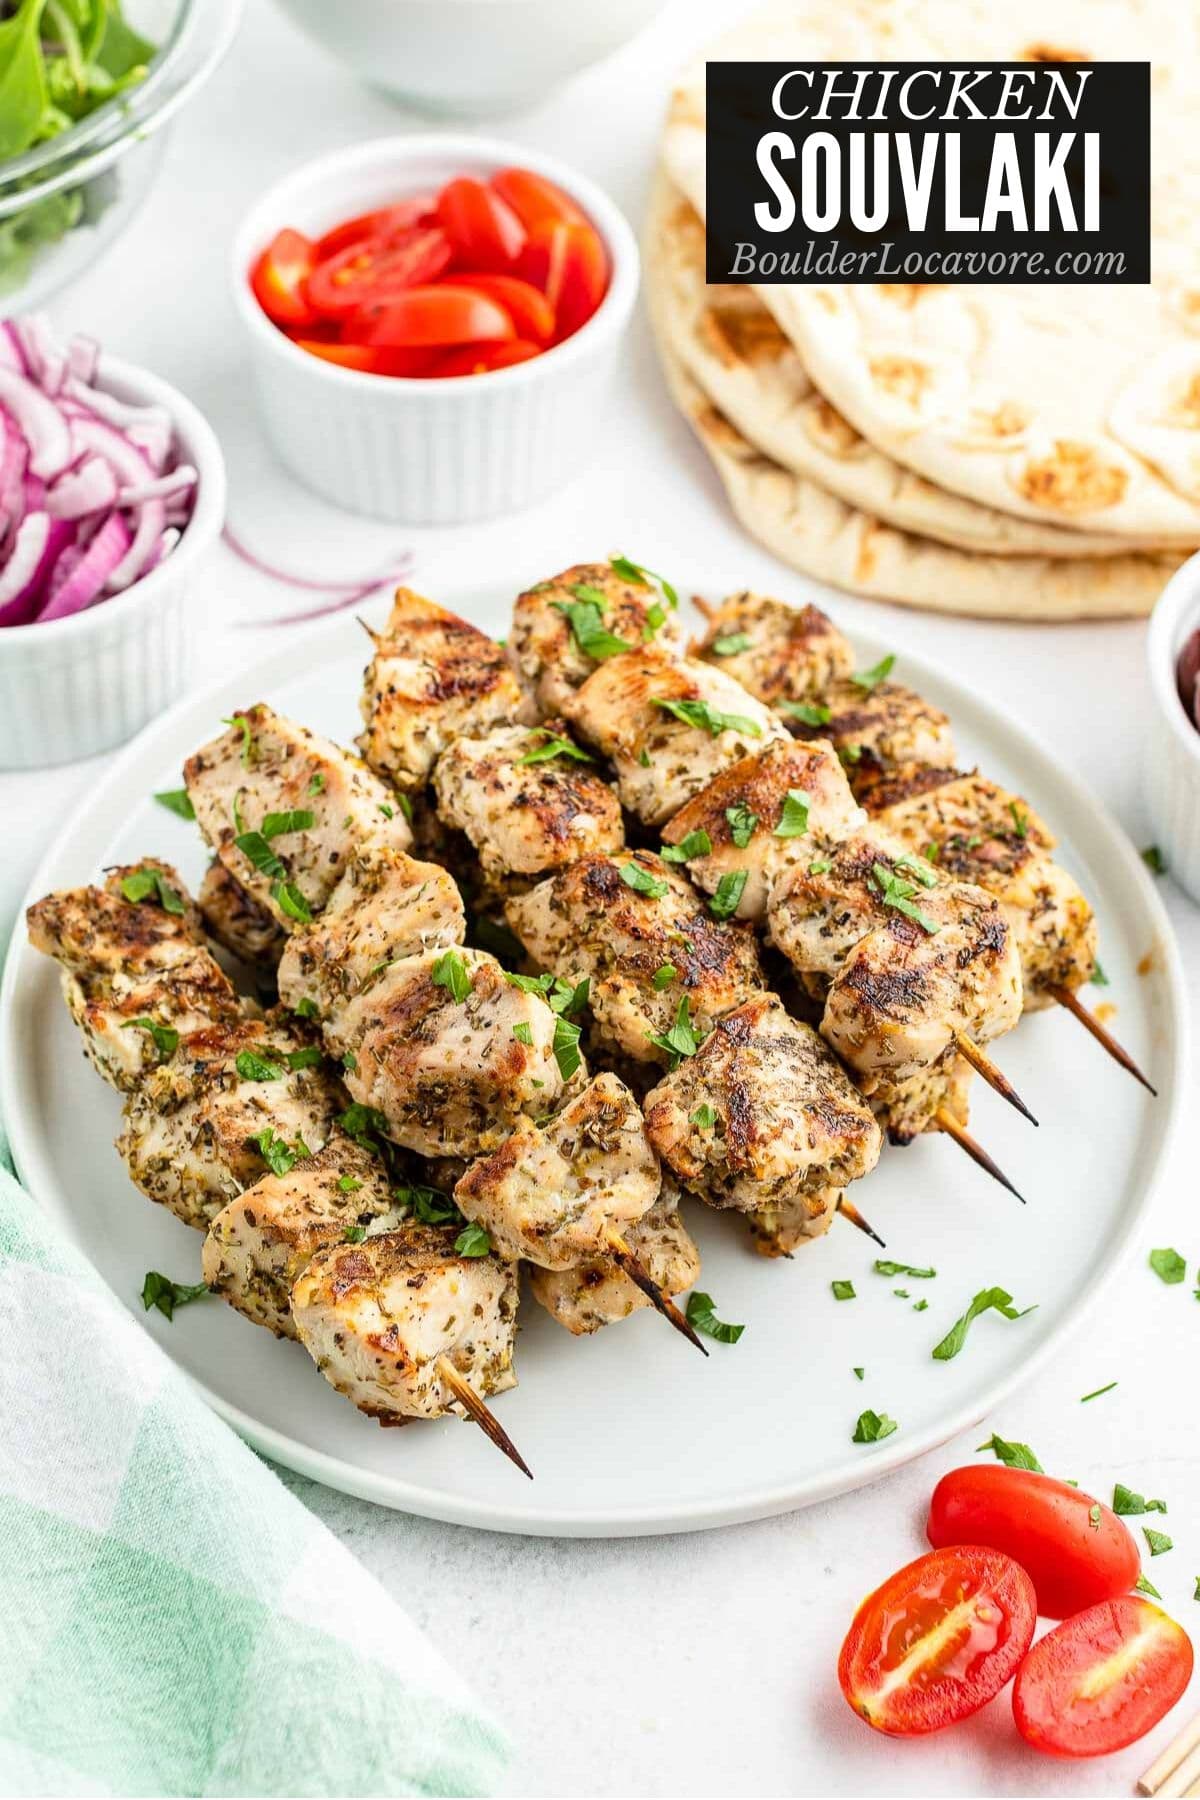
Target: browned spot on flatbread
738	334
827	427
906	294
1006	420
716	427
902	377
864	562
1072	478
1184	410
1052	53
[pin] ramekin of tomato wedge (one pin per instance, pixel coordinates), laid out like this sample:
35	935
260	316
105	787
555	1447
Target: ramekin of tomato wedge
434	323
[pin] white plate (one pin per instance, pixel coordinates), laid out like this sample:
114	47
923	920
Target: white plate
632	1431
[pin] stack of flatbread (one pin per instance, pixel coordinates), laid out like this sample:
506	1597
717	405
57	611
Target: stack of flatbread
1025	451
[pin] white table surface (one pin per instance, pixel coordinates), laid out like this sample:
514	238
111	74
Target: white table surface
698	1665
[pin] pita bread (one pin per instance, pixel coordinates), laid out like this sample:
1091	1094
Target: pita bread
1072	406
815	532
732	346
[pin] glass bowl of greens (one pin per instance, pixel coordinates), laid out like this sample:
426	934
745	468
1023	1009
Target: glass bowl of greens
86	87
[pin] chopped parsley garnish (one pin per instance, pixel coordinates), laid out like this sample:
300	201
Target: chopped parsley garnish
733	645
365	1124
178	801
1020	820
279	824
918	1305
406	806
240	722
843	1290
700	1314
793	821
566	1047
872	1426
1158	1541
898	894
725	902
348	1184
859	1374
451	972
918	868
428	1204
561	996
166	1038
305	1009
902	1293
389	812
642	881
642	577
1143	1585
316	782
1099	978
883	1267
850	753
1127	1504
253	1067
146	882
703	717
1096	1392
869	679
1013	1456
822	866
741	822
585	616
696	843
308	1058
805	712
523	1032
255	847
993	1299
473	1240
681	1039
552	746
1154	859
279	1156
349	1061
354	1234
663	976
1168	1265
643	759
704	1117
160	1291
291	901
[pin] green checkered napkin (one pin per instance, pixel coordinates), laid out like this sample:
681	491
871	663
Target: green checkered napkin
172	1620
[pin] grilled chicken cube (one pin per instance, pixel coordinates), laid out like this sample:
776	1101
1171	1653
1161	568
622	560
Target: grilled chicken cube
555	1193
259	1245
596	1291
378	1317
762	1114
387	906
782	1229
261	782
554	622
668	727
237	921
433	678
650	946
781	806
779	653
136	974
451	1076
912	966
205	1124
873	728
526	800
980	832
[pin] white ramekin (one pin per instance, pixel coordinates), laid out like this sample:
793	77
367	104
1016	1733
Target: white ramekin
1171	743
433	452
76	686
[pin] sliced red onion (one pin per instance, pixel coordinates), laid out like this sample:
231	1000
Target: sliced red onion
89	487
348	593
1187	677
86	577
11	354
151	523
46	363
83	357
97	438
38	543
45	429
14	457
162	549
164	487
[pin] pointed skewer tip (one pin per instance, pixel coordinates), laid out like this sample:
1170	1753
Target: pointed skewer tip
851	1212
661	1303
998	1082
1069	1000
945	1121
487	1421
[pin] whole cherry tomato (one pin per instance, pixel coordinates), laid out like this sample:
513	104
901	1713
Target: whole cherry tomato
481	359
279	276
938	1640
435	315
484	230
535	200
1076	1550
376	269
526	306
1101	1679
570	265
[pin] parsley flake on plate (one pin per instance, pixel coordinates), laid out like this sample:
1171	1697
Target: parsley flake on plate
873	1426
1096	1393
1099	978
160	1291
1012	1455
1158	1541
843	1290
1143	1585
1128	1504
701	1316
993	1299
883	1267
1168	1265
1154	859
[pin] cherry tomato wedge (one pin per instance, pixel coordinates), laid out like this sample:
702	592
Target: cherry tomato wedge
1076	1550
279	276
937	1641
376	270
1101	1680
481	359
535	200
384	222
570	266
435	315
528	308
369	359
484	230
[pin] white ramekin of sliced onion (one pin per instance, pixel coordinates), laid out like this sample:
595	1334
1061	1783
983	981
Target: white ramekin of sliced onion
112	487
1171	741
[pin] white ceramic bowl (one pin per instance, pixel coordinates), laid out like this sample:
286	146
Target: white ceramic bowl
443	451
1171	744
76	686
469	58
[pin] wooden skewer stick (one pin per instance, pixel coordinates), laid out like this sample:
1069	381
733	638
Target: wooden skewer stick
945	1121
1175	1761
983	1065
658	1300
487	1421
849	1211
703	608
1074	1005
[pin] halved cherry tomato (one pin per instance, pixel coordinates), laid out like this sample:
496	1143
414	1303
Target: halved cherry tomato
371	360
481	359
435	315
385	221
1076	1550
526	306
535	200
278	279
376	269
1102	1680
484	230
570	265
937	1641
